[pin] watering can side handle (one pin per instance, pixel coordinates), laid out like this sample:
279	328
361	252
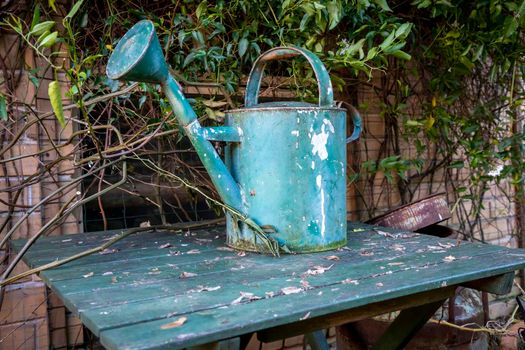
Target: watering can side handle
357	121
326	94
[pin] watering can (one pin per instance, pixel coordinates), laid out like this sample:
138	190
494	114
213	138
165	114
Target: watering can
285	162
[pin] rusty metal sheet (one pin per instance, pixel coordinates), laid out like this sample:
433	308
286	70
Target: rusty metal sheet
417	215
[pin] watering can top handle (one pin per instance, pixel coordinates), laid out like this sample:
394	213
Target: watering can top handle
326	95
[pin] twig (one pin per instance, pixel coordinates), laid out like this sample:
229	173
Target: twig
174	227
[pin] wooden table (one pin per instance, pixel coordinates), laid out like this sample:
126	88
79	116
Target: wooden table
133	294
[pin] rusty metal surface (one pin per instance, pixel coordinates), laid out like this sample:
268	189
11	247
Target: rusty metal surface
417	215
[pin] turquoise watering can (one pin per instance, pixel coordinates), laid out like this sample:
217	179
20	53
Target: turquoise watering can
285	162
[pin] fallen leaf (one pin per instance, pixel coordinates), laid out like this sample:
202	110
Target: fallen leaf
108	251
226	249
449	258
398	247
365	252
332	257
305	284
317	270
179	322
350	281
291	290
185	274
245	296
166	245
203	289
446	245
305	316
88	275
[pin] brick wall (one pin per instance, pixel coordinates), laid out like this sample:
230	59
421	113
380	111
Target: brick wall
30	318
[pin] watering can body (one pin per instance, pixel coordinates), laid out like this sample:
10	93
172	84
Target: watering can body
285	162
290	166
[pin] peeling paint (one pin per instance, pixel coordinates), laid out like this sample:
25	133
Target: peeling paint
319	143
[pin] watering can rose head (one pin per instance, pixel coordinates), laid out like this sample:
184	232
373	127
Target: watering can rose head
286	161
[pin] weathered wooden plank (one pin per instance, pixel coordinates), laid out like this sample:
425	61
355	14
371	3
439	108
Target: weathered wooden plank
254	272
379	267
284	309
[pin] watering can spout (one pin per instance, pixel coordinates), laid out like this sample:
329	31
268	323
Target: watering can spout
138	57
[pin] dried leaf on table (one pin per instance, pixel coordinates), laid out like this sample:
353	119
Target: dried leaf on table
449	258
350	281
204	289
108	251
317	270
226	249
446	245
365	252
332	257
179	322
305	316
398	247
245	296
185	274
291	290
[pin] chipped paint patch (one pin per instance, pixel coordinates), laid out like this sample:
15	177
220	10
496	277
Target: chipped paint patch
319	143
318	180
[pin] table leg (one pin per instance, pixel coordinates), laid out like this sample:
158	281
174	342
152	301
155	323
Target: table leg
406	324
316	340
209	346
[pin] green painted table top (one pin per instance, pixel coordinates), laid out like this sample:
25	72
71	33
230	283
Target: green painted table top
131	295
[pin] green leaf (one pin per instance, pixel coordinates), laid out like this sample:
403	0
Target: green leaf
36	17
243	45
388	41
189	59
402	55
382	3
74	10
201	8
51	4
456	164
334	13
304	21
3	108
41	28
49	40
55	97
